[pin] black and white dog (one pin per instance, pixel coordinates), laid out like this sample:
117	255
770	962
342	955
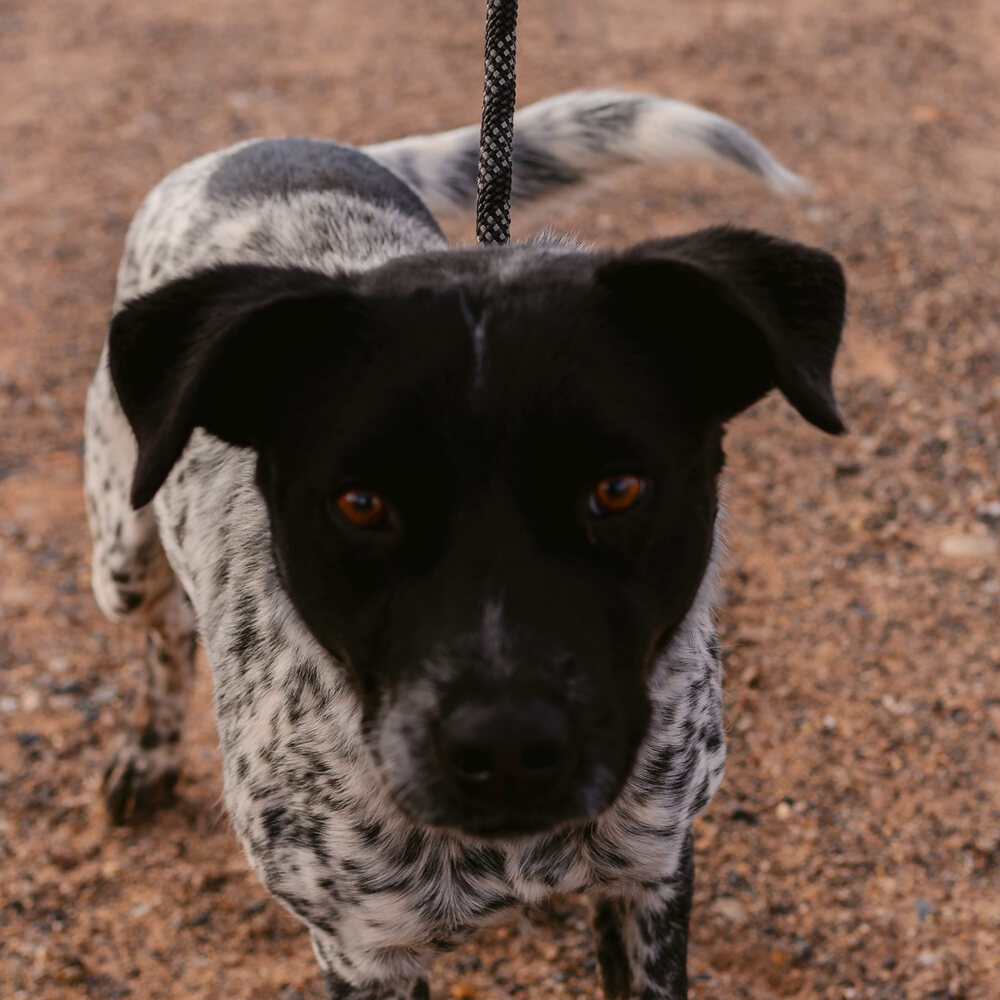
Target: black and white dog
445	520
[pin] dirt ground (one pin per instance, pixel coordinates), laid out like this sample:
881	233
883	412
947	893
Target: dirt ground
854	851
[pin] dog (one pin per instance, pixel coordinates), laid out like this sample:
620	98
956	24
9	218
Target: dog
445	520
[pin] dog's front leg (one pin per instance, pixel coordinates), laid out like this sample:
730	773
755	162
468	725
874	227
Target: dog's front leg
341	989
642	937
344	981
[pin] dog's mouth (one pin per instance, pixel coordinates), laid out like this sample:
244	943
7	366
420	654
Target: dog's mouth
517	819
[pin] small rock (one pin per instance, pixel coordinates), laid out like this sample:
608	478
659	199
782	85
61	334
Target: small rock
968	546
988	513
731	909
68	687
844	469
31	700
104	695
896	707
923	910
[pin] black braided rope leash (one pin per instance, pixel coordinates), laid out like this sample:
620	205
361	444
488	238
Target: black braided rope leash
496	136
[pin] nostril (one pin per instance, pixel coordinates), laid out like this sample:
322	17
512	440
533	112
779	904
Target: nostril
472	763
540	758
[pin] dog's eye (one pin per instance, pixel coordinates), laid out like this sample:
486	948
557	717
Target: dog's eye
616	494
362	508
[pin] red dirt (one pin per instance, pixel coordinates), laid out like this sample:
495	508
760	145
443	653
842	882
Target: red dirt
854	851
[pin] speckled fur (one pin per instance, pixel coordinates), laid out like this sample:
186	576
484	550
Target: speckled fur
380	894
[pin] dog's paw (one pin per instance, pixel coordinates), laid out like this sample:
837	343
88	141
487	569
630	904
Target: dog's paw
137	782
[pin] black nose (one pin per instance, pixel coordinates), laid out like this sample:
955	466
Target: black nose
504	753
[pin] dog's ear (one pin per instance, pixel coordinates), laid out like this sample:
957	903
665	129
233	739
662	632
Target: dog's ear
737	313
216	350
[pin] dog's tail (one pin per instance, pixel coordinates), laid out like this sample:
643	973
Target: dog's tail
562	140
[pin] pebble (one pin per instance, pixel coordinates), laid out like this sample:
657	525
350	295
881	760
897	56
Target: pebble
69	687
896	707
968	546
104	695
731	909
31	700
988	513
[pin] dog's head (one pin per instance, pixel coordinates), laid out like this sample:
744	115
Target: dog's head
491	479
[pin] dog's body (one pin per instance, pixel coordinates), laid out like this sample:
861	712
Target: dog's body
358	785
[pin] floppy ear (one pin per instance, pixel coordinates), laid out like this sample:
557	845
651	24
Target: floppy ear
738	313
214	350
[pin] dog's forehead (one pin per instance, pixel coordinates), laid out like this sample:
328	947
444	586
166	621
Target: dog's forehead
498	340
495	309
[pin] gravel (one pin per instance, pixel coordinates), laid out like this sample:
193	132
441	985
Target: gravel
854	851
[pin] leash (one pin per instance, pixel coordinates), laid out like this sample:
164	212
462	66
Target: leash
496	135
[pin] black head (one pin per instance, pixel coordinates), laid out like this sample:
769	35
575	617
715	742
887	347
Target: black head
491	479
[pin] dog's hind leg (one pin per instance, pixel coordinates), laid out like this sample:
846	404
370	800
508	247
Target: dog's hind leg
133	583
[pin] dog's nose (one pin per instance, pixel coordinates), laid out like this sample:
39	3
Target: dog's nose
504	753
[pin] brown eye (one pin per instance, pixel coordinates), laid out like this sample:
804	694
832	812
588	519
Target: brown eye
616	494
361	508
